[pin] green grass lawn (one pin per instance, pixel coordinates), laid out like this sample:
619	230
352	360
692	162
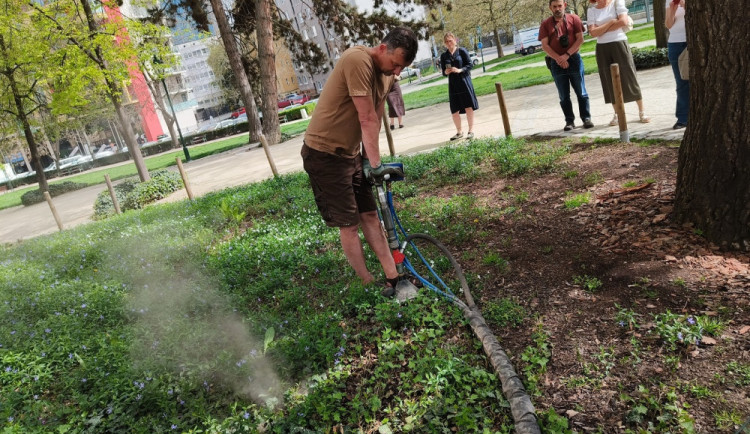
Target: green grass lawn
154	162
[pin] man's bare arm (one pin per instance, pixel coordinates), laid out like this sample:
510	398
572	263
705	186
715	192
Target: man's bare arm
369	120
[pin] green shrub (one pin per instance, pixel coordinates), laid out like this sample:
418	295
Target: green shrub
36	196
132	194
650	57
294	113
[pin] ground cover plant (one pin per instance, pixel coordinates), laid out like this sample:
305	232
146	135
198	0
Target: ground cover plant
238	312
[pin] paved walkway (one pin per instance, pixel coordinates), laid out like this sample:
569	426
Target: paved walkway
533	111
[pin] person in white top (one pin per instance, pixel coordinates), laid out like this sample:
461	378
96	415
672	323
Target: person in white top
676	44
606	21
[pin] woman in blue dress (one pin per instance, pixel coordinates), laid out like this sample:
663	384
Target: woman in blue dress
456	64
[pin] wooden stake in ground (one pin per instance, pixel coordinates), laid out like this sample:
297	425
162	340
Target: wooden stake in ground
503	108
185	180
48	198
388	134
112	194
619	103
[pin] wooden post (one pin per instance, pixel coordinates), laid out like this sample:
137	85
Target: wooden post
503	108
388	134
112	194
48	198
619	104
185	179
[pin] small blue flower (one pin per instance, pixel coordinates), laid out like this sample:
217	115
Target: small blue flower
83	380
622	323
679	336
246	415
174	426
691	320
47	330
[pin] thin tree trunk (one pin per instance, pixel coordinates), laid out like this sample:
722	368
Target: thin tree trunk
267	61
114	92
660	29
233	54
499	46
713	175
10	74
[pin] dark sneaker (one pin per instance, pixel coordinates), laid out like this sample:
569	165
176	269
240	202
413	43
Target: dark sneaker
389	289
457	136
569	126
470	136
679	126
587	123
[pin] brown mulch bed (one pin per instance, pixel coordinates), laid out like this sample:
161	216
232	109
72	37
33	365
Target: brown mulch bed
627	238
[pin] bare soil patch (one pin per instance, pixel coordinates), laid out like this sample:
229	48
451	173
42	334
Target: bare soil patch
627	238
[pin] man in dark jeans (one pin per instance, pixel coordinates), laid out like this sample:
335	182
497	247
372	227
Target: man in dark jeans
562	36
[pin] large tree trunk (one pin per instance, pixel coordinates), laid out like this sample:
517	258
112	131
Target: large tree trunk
660	29
267	61
233	54
713	175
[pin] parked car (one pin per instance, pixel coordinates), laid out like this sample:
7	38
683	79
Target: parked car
473	57
161	138
409	72
104	151
293	99
225	123
237	113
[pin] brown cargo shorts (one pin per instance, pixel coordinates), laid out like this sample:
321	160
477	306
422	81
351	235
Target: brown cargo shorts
340	189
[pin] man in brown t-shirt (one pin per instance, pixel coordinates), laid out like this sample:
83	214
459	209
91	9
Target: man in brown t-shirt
349	112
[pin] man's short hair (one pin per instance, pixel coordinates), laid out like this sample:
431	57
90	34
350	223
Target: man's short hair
403	38
552	1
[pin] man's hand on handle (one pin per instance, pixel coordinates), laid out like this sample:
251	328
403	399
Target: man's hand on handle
374	175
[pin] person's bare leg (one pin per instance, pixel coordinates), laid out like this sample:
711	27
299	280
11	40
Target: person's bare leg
400	121
354	252
393	119
470	119
640	105
378	243
457	121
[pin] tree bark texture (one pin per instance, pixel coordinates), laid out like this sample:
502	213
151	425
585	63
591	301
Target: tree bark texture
233	54
522	410
713	175
267	62
660	29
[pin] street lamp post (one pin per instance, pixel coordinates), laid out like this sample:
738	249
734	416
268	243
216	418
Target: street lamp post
174	116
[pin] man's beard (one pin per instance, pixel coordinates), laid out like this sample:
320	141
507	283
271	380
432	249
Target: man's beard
558	14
